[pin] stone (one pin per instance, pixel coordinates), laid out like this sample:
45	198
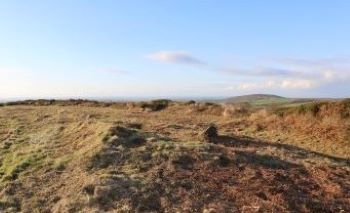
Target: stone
210	133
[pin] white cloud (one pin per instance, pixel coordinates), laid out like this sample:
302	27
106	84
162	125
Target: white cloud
177	57
255	85
321	62
330	75
285	73
262	72
293	74
298	84
276	84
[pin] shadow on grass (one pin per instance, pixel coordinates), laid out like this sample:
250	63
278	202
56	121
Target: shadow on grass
234	141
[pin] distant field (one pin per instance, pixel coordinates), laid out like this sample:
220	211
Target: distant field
271	101
263	100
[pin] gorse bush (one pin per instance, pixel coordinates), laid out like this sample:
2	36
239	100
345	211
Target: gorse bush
235	109
322	109
345	108
155	105
190	102
313	108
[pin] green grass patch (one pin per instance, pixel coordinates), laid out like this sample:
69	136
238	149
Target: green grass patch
14	162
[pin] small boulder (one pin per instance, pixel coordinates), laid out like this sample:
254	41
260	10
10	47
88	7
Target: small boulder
210	133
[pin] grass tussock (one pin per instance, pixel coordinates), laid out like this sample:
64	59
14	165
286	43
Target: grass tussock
206	107
231	110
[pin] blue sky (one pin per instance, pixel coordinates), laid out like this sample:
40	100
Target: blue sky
174	48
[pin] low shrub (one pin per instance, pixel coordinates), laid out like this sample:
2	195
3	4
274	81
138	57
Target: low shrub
235	109
191	102
313	108
183	160
155	105
345	108
134	125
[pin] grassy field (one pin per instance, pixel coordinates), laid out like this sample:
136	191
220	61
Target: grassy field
71	156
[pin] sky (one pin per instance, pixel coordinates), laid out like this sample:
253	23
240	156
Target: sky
182	48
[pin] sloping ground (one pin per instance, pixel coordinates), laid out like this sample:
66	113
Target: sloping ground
261	100
69	159
253	97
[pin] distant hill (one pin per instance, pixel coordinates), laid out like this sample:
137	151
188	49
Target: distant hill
252	97
265	99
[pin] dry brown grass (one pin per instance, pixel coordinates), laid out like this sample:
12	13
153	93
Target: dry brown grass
322	127
119	157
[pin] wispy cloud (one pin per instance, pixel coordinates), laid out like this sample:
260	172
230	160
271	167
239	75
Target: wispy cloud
298	84
177	57
281	73
261	72
273	84
321	62
293	74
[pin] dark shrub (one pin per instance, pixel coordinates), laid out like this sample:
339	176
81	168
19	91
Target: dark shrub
191	102
345	108
134	125
184	161
209	133
313	108
155	105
